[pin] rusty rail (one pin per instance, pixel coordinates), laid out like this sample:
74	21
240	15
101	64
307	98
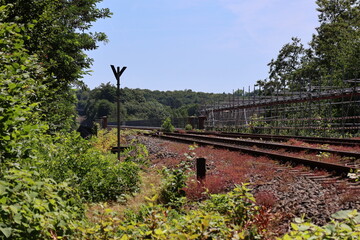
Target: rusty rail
317	140
337	169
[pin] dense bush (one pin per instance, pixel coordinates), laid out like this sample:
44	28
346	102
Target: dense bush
171	192
105	139
188	127
238	204
98	176
36	107
37	208
20	83
344	225
202	221
166	126
136	153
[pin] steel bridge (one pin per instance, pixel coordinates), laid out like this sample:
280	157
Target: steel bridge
315	111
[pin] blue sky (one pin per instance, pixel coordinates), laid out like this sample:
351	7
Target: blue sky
203	45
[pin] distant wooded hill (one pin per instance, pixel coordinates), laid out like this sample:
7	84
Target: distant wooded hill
139	104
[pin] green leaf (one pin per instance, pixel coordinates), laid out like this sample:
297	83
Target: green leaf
3	200
346	227
357	219
159	231
194	236
342	214
2	189
15	208
12	86
330	228
6	138
287	237
17	218
303	227
124	237
6	231
294	226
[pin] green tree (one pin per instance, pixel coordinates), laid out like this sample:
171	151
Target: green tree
166	126
59	36
333	55
336	43
284	69
141	104
105	91
21	90
104	108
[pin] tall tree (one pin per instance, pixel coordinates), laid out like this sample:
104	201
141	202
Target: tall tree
20	90
333	54
336	43
59	36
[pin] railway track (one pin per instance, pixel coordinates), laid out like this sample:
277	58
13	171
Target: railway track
247	147
314	140
276	138
270	145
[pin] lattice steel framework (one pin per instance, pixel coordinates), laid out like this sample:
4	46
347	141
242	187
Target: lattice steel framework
313	111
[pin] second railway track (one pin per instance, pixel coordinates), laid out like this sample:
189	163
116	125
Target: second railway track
269	145
281	138
247	147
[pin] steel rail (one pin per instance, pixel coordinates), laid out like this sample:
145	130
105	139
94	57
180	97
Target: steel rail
270	145
337	169
318	140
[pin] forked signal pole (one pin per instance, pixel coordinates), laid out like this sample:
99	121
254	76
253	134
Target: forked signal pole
117	72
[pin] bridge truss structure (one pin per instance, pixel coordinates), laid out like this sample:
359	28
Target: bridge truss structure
313	111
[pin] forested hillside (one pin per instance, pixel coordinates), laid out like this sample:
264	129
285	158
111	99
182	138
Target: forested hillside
139	104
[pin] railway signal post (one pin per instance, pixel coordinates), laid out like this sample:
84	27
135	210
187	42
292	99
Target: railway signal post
117	73
201	169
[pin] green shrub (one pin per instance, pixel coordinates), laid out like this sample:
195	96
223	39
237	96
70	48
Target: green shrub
36	208
210	220
238	204
99	177
137	153
166	126
171	192
158	222
105	139
188	127
110	182
174	181
344	225
20	83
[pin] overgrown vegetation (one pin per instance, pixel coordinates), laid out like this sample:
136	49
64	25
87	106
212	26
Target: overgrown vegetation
48	171
344	225
33	207
49	174
225	216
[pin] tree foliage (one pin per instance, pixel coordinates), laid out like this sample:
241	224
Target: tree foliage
36	208
57	32
140	104
332	55
41	58
21	91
